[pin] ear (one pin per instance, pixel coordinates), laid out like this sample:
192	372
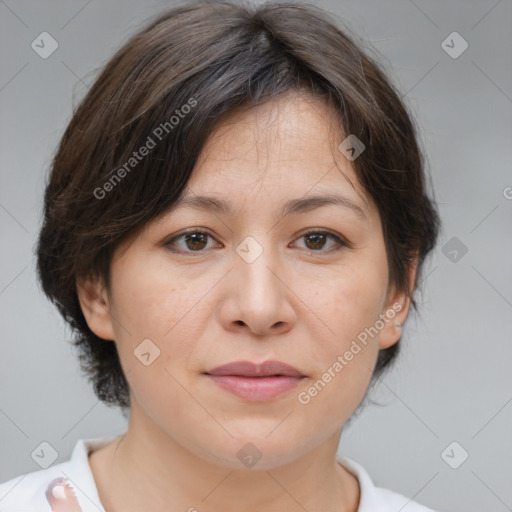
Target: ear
396	310
95	305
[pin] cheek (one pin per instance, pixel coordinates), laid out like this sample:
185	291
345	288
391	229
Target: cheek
152	304
345	356
355	298
151	300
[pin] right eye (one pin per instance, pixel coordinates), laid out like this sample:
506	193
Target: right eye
191	241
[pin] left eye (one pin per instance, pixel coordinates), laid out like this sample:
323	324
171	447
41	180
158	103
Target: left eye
318	238
196	241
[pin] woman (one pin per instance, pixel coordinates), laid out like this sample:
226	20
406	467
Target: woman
235	225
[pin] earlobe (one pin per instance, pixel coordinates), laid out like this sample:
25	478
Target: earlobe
396	311
394	317
95	305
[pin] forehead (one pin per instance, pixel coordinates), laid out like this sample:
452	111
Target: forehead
287	146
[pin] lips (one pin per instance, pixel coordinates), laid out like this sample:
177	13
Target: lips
248	369
256	382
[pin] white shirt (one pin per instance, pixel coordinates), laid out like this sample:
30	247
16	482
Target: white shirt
27	492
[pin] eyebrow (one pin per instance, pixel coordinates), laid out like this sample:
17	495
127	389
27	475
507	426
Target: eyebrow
293	206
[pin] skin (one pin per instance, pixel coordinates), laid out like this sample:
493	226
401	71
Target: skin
301	301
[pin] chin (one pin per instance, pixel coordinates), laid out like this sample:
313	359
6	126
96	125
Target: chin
253	450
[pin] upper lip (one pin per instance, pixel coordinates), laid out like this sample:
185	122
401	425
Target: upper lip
249	369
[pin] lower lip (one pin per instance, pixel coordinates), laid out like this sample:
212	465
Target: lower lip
255	389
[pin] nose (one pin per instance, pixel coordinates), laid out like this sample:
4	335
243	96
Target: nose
259	299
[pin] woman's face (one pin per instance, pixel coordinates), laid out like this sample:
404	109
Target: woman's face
255	284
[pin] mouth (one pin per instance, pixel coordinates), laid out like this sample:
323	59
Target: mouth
256	383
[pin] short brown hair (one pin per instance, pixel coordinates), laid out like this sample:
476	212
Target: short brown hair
214	58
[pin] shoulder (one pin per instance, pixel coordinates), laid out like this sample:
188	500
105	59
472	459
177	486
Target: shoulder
392	501
27	492
379	499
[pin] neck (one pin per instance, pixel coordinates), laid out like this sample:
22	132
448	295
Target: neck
146	469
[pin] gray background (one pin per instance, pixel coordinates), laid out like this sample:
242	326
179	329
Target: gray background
453	380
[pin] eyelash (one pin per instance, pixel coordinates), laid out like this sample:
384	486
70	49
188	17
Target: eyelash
341	242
